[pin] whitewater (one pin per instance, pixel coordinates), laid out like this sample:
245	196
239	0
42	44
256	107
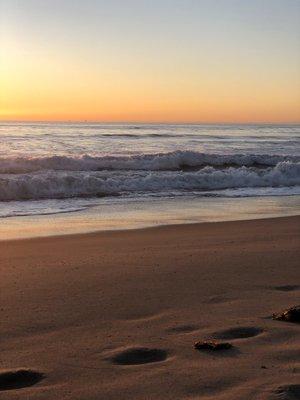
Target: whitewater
50	168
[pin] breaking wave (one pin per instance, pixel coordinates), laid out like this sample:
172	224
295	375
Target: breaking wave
177	160
62	177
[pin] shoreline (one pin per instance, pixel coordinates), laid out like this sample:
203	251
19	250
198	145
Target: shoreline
171	226
116	314
142	214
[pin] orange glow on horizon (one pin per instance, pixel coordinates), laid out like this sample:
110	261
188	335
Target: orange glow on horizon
45	97
52	83
147	101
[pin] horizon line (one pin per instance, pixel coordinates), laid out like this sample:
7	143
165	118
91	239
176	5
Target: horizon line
151	122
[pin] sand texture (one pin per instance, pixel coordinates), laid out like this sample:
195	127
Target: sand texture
116	315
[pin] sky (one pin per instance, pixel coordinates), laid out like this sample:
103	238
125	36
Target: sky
150	60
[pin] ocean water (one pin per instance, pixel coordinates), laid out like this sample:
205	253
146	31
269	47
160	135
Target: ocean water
51	168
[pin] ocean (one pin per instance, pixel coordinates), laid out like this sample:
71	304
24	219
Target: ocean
52	168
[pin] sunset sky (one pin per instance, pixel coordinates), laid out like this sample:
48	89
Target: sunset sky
150	61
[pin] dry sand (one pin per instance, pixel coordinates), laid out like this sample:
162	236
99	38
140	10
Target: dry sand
114	315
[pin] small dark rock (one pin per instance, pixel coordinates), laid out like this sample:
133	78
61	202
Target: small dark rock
290	315
289	392
209	345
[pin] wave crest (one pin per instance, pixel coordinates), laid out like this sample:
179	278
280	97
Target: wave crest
177	160
82	183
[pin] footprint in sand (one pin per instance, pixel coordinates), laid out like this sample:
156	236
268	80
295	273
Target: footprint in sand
288	392
20	378
183	329
241	332
219	300
139	355
287	288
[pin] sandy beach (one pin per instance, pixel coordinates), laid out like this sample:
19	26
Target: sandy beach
149	200
115	315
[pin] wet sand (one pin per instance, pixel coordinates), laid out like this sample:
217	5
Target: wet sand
115	315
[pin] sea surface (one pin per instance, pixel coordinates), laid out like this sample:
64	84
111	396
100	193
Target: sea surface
51	168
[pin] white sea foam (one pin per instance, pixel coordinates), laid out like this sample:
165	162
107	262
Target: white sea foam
46	168
68	184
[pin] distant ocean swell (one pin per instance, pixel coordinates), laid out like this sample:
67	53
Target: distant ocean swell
64	177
